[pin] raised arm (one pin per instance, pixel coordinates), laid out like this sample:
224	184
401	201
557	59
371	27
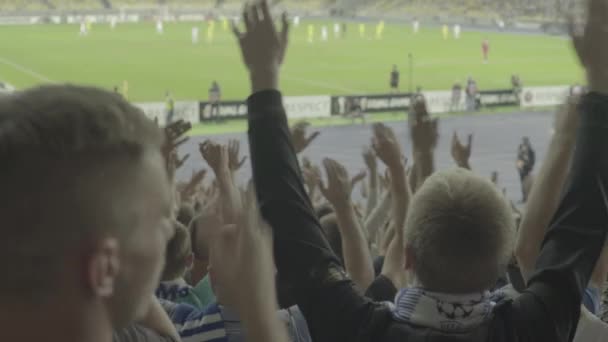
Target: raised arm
547	190
357	258
550	306
217	156
462	153
372	167
424	134
388	150
328	299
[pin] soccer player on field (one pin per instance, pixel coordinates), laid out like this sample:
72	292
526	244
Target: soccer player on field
195	31
225	24
336	30
324	33
83	29
89	25
485	49
446	32
125	89
457	31
159	26
311	33
362	30
380	30
210	30
416	26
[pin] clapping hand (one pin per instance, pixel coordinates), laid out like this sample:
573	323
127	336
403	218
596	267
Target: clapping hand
299	136
216	156
461	153
234	147
339	188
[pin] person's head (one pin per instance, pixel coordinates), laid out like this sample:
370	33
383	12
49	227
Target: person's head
526	141
178	257
185	214
329	223
459	233
85	202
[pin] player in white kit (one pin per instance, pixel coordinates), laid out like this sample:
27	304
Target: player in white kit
457	31
83	28
337	30
324	34
112	22
159	27
416	26
195	32
296	21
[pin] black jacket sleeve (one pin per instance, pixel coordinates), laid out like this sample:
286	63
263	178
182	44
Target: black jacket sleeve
334	309
550	306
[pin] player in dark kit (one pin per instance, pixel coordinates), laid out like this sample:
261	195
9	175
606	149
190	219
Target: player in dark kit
395	79
485	48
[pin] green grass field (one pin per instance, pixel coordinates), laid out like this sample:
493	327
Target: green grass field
153	63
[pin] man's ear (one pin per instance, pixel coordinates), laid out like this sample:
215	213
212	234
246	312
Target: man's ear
102	267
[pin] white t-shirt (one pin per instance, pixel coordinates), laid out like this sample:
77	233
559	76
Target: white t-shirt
590	328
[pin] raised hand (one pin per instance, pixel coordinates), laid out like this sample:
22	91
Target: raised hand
311	175
370	159
357	178
189	189
262	46
216	156
386	146
174	137
424	133
299	136
590	45
339	188
234	147
462	153
241	253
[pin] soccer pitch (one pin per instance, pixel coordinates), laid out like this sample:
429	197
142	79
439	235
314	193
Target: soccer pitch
153	63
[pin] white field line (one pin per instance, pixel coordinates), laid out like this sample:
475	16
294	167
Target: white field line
26	70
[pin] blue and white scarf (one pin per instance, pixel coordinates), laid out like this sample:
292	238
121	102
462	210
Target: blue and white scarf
444	312
195	325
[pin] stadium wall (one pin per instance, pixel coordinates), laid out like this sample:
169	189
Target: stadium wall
325	106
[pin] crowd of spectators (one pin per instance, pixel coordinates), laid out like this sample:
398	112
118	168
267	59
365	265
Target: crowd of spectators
100	244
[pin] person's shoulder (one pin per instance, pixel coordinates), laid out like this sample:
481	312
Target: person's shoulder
590	328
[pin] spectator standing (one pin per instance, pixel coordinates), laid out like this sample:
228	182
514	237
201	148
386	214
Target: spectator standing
394	83
471	94
517	87
456	97
215	96
169	108
87	262
526	158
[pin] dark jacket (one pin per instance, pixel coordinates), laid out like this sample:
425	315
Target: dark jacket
336	310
